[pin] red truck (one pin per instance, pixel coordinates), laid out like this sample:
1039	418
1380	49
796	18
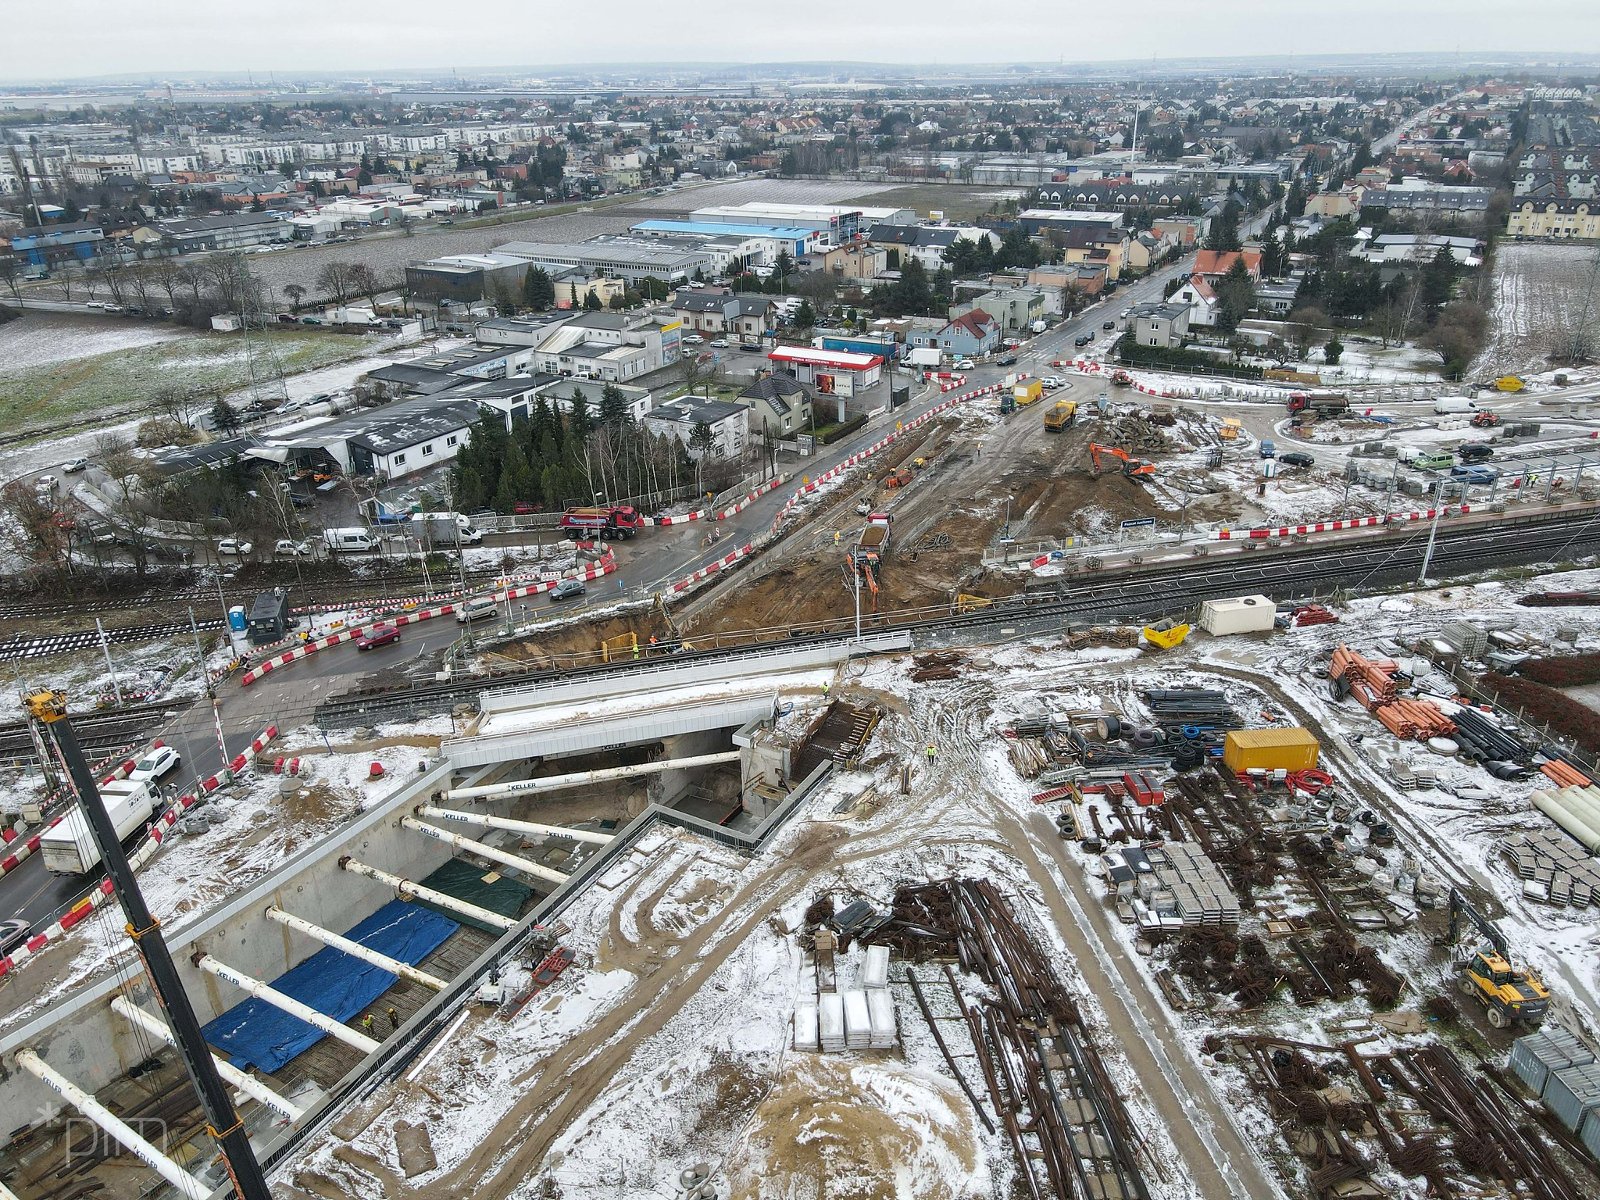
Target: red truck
618	521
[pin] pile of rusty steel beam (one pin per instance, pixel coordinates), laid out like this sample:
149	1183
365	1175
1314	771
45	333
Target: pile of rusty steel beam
1049	1089
1373	685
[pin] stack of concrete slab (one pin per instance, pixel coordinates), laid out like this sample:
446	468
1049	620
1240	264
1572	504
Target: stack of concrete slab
1555	867
1469	641
857	1020
880	1014
875	971
830	1022
1199	895
805	1026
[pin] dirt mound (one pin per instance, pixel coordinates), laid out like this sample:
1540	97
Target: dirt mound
852	1129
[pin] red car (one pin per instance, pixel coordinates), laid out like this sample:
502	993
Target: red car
380	634
523	507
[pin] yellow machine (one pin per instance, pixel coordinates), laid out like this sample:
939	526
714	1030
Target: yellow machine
1509	995
1230	429
1164	635
966	603
1508	383
1060	415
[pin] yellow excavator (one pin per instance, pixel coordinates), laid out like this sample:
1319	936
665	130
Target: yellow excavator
1510	995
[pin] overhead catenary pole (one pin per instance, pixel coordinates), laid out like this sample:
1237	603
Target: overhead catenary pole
354	949
105	648
102	1116
248	1084
271	995
222	1121
200	655
416	891
493	853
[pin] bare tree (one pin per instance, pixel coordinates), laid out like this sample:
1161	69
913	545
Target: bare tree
130	510
167	275
179	406
9	275
33	529
334	280
363	280
296	293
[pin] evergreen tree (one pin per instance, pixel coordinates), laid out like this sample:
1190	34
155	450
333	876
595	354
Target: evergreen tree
591	301
1236	296
538	292
224	419
614	412
805	317
579	423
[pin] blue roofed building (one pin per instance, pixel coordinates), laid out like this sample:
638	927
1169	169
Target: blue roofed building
47	245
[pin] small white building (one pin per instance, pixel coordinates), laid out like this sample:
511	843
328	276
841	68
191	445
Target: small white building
1238	614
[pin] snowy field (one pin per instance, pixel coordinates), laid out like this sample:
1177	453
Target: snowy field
1538	290
38	339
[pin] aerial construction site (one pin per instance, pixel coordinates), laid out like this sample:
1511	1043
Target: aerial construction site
1047	800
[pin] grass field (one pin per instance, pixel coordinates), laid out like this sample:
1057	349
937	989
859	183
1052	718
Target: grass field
126	380
960	202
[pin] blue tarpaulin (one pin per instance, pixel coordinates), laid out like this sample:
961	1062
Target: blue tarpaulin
257	1034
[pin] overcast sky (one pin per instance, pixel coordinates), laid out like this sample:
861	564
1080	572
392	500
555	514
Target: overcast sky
175	37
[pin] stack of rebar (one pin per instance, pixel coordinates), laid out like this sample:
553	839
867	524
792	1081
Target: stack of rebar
1199	708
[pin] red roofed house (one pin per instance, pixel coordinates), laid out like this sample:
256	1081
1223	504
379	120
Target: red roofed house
1214	264
1200	299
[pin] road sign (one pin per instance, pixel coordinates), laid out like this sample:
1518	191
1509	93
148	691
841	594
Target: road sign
1141	523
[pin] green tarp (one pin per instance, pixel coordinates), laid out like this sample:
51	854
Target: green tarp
487	889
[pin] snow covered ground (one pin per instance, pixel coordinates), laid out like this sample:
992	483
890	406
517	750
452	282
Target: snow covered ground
39	339
1539	292
669	1043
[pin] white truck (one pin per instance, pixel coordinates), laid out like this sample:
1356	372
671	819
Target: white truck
1454	404
925	358
69	848
444	529
349	539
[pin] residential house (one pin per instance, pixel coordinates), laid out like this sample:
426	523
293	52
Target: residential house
1214	264
758	317
1331	206
779	406
855	261
1200	298
1185	231
1161	325
972	333
1146	250
1563	220
1102	246
1276	298
926	243
707	310
1014	308
728	423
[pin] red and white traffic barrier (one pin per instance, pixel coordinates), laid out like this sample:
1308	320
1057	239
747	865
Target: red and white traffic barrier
257	745
1282	531
104	890
722	564
29	847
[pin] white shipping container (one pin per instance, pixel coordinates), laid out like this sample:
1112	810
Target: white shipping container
69	848
1241	614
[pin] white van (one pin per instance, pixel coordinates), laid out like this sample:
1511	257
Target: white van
478	606
1454	404
349	539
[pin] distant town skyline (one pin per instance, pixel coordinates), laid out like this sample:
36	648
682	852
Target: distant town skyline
177	37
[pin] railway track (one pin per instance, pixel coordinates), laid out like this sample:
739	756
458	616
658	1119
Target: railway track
95	730
1142	594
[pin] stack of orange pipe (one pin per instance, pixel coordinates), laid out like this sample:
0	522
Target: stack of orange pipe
1564	775
1373	686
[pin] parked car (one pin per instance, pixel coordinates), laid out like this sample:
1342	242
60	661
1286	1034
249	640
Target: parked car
1297	458
692	339
13	934
1108	325
234	546
73	467
380	634
566	588
964	364
1053	381
523	507
45	483
292	548
751	347
163	760
1009	360
719	343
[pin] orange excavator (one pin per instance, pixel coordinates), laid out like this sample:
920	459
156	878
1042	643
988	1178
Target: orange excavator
865	563
1132	467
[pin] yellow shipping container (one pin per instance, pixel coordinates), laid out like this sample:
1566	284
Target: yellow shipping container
1269	750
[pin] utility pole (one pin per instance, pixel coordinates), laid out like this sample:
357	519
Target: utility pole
1433	532
222	1120
200	654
